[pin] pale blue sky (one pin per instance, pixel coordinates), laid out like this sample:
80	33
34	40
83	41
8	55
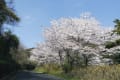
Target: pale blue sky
38	13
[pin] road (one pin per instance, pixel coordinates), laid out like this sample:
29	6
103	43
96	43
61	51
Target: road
27	75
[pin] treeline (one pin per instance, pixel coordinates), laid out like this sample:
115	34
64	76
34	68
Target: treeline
13	56
75	43
79	49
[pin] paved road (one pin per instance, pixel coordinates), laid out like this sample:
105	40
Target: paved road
26	75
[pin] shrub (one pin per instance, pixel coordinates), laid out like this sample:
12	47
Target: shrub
104	72
118	41
110	45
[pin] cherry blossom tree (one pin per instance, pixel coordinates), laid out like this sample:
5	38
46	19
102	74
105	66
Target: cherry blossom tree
71	39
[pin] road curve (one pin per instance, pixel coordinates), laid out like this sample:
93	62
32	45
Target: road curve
27	75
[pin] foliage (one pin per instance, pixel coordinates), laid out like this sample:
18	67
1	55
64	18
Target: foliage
116	30
110	45
21	56
7	67
8	40
30	65
117	26
105	72
48	68
72	41
7	14
115	57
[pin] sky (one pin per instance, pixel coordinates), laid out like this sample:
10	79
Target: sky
36	15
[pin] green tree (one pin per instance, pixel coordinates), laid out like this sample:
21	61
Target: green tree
8	64
115	31
117	26
8	40
7	15
114	57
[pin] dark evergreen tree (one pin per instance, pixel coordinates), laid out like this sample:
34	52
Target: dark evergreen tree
7	15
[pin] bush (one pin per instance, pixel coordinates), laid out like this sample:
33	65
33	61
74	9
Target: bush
110	45
30	66
67	68
118	42
7	67
116	58
105	72
48	68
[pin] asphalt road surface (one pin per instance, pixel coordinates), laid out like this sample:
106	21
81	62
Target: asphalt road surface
26	75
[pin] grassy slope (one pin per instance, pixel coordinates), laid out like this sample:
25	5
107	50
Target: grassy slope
90	73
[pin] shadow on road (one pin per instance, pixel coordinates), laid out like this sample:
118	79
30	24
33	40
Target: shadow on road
28	75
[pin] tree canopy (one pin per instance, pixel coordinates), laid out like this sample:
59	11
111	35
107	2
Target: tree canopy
67	38
7	15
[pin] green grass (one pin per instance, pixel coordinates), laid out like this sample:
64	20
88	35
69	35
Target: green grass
57	73
54	70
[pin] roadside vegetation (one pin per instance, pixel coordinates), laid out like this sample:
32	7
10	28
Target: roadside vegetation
13	56
79	49
105	72
74	48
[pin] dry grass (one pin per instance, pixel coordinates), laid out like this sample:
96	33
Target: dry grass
90	73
